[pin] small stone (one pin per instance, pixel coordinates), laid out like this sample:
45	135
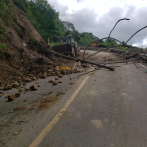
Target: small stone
79	70
25	100
11	97
59	81
25	92
72	71
75	71
44	76
8	87
85	65
63	72
67	71
12	122
39	86
15	84
72	83
28	79
17	94
34	78
23	78
51	81
58	73
60	76
55	82
34	87
15	133
20	90
24	84
20	130
56	78
57	68
1	87
2	93
27	88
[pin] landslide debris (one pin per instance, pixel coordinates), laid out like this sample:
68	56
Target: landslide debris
22	52
25	57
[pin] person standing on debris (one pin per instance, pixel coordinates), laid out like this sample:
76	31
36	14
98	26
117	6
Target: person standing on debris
94	44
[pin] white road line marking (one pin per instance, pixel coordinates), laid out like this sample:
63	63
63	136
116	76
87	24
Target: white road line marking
42	135
142	65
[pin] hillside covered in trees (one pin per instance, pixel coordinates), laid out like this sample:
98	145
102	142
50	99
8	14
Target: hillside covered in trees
46	21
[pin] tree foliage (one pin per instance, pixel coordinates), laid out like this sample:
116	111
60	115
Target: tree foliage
46	21
5	16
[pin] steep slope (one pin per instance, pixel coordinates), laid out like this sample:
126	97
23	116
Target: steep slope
23	45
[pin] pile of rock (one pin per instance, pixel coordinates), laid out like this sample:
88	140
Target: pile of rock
14	84
39	72
56	80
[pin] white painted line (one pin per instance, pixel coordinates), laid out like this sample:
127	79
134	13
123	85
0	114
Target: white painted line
42	135
142	65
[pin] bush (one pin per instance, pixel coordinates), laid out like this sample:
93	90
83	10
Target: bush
2	45
34	44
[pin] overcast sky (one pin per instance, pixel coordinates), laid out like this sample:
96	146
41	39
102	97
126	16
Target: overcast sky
99	17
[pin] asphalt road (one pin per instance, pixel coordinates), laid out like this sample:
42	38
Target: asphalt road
110	110
102	109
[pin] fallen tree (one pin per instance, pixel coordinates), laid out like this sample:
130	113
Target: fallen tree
77	60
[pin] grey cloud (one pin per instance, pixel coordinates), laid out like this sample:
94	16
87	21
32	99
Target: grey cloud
85	20
79	1
58	7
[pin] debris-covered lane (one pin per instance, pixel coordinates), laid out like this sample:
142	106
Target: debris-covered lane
28	114
110	110
105	92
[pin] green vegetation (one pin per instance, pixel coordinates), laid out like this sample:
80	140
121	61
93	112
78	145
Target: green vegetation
2	45
108	45
46	21
124	48
6	5
53	44
34	44
6	16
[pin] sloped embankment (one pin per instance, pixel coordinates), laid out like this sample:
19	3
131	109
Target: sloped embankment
23	45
